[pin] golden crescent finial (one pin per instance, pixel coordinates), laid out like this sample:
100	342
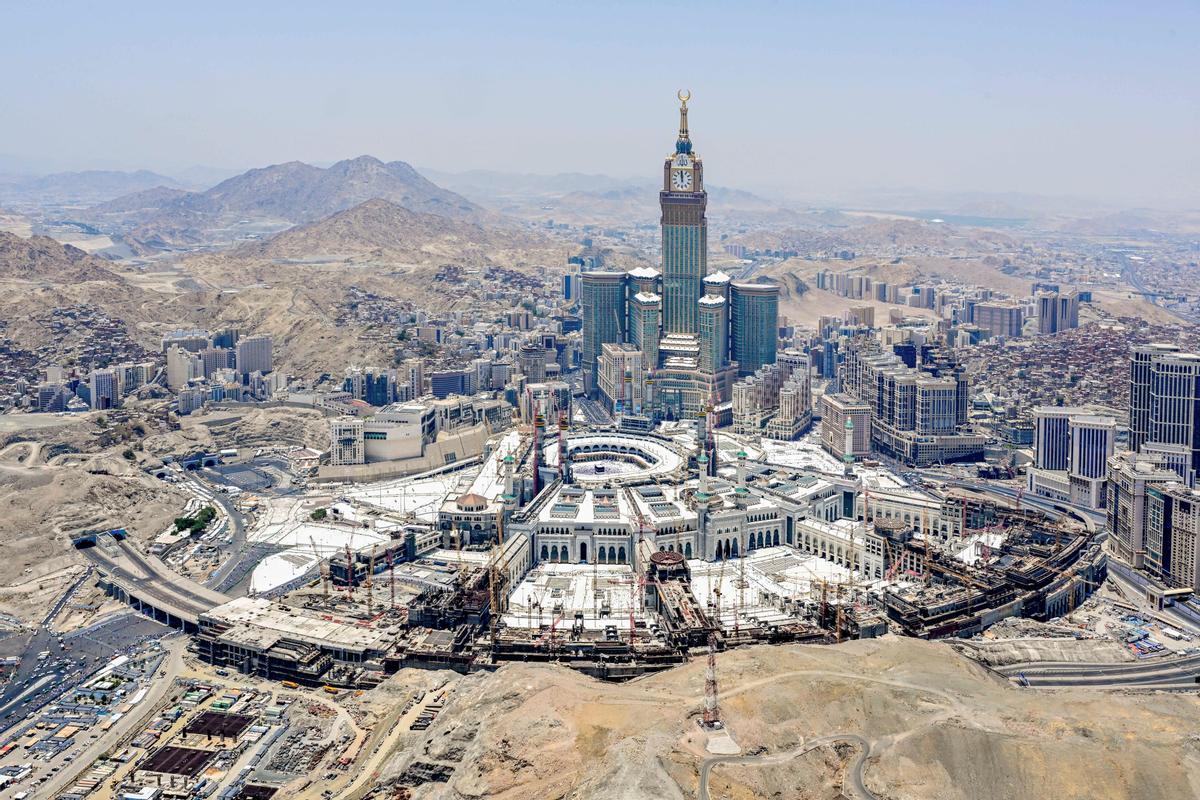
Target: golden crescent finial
684	95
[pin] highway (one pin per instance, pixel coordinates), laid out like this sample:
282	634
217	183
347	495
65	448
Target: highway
48	620
1131	276
1055	509
237	548
1179	673
593	413
149	580
854	772
209	493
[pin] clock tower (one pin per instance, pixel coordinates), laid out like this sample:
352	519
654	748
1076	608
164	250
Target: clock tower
684	231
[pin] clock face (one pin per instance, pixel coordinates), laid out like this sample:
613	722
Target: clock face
681	180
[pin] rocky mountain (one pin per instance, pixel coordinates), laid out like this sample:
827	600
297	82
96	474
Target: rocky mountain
290	193
43	260
89	186
381	229
147	200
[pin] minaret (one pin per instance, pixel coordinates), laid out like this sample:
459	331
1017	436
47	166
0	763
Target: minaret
510	497
848	448
564	463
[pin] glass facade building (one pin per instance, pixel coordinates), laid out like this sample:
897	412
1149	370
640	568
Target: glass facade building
754	320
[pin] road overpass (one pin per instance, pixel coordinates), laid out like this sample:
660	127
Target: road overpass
150	586
1175	673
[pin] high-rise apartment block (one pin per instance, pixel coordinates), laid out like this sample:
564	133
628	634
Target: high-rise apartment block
917	415
106	391
1172	514
1057	311
253	354
1072	447
999	319
836	411
1164	407
1130	475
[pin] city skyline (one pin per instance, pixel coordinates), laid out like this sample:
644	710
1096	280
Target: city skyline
1024	99
410	471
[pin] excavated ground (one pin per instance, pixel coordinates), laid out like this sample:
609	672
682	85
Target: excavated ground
940	726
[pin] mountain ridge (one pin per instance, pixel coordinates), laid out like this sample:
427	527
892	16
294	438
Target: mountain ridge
42	259
382	229
292	192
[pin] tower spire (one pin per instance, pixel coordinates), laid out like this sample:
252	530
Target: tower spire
684	144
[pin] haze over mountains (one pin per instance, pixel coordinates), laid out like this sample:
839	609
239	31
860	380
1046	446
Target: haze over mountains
283	194
88	186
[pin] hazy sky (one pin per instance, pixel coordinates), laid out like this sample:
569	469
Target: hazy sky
1090	99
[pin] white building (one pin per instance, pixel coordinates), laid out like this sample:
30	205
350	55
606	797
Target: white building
183	366
253	354
105	391
1072	446
346	443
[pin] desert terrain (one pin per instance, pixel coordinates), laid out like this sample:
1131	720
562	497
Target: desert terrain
937	725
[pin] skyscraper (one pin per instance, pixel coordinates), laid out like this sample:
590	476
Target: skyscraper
684	231
714	332
254	355
1175	412
1139	390
602	303
690	350
1057	312
645	313
532	357
754	324
1052	437
105	394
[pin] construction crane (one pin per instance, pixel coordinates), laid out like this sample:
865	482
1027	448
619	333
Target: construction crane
741	603
322	567
633	589
392	575
712	711
840	616
495	588
548	636
369	584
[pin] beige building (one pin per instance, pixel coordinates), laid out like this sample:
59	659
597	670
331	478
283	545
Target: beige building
835	410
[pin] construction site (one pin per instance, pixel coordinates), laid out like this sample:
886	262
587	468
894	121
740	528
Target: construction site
666	546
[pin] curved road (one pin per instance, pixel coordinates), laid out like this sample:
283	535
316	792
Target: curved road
854	772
